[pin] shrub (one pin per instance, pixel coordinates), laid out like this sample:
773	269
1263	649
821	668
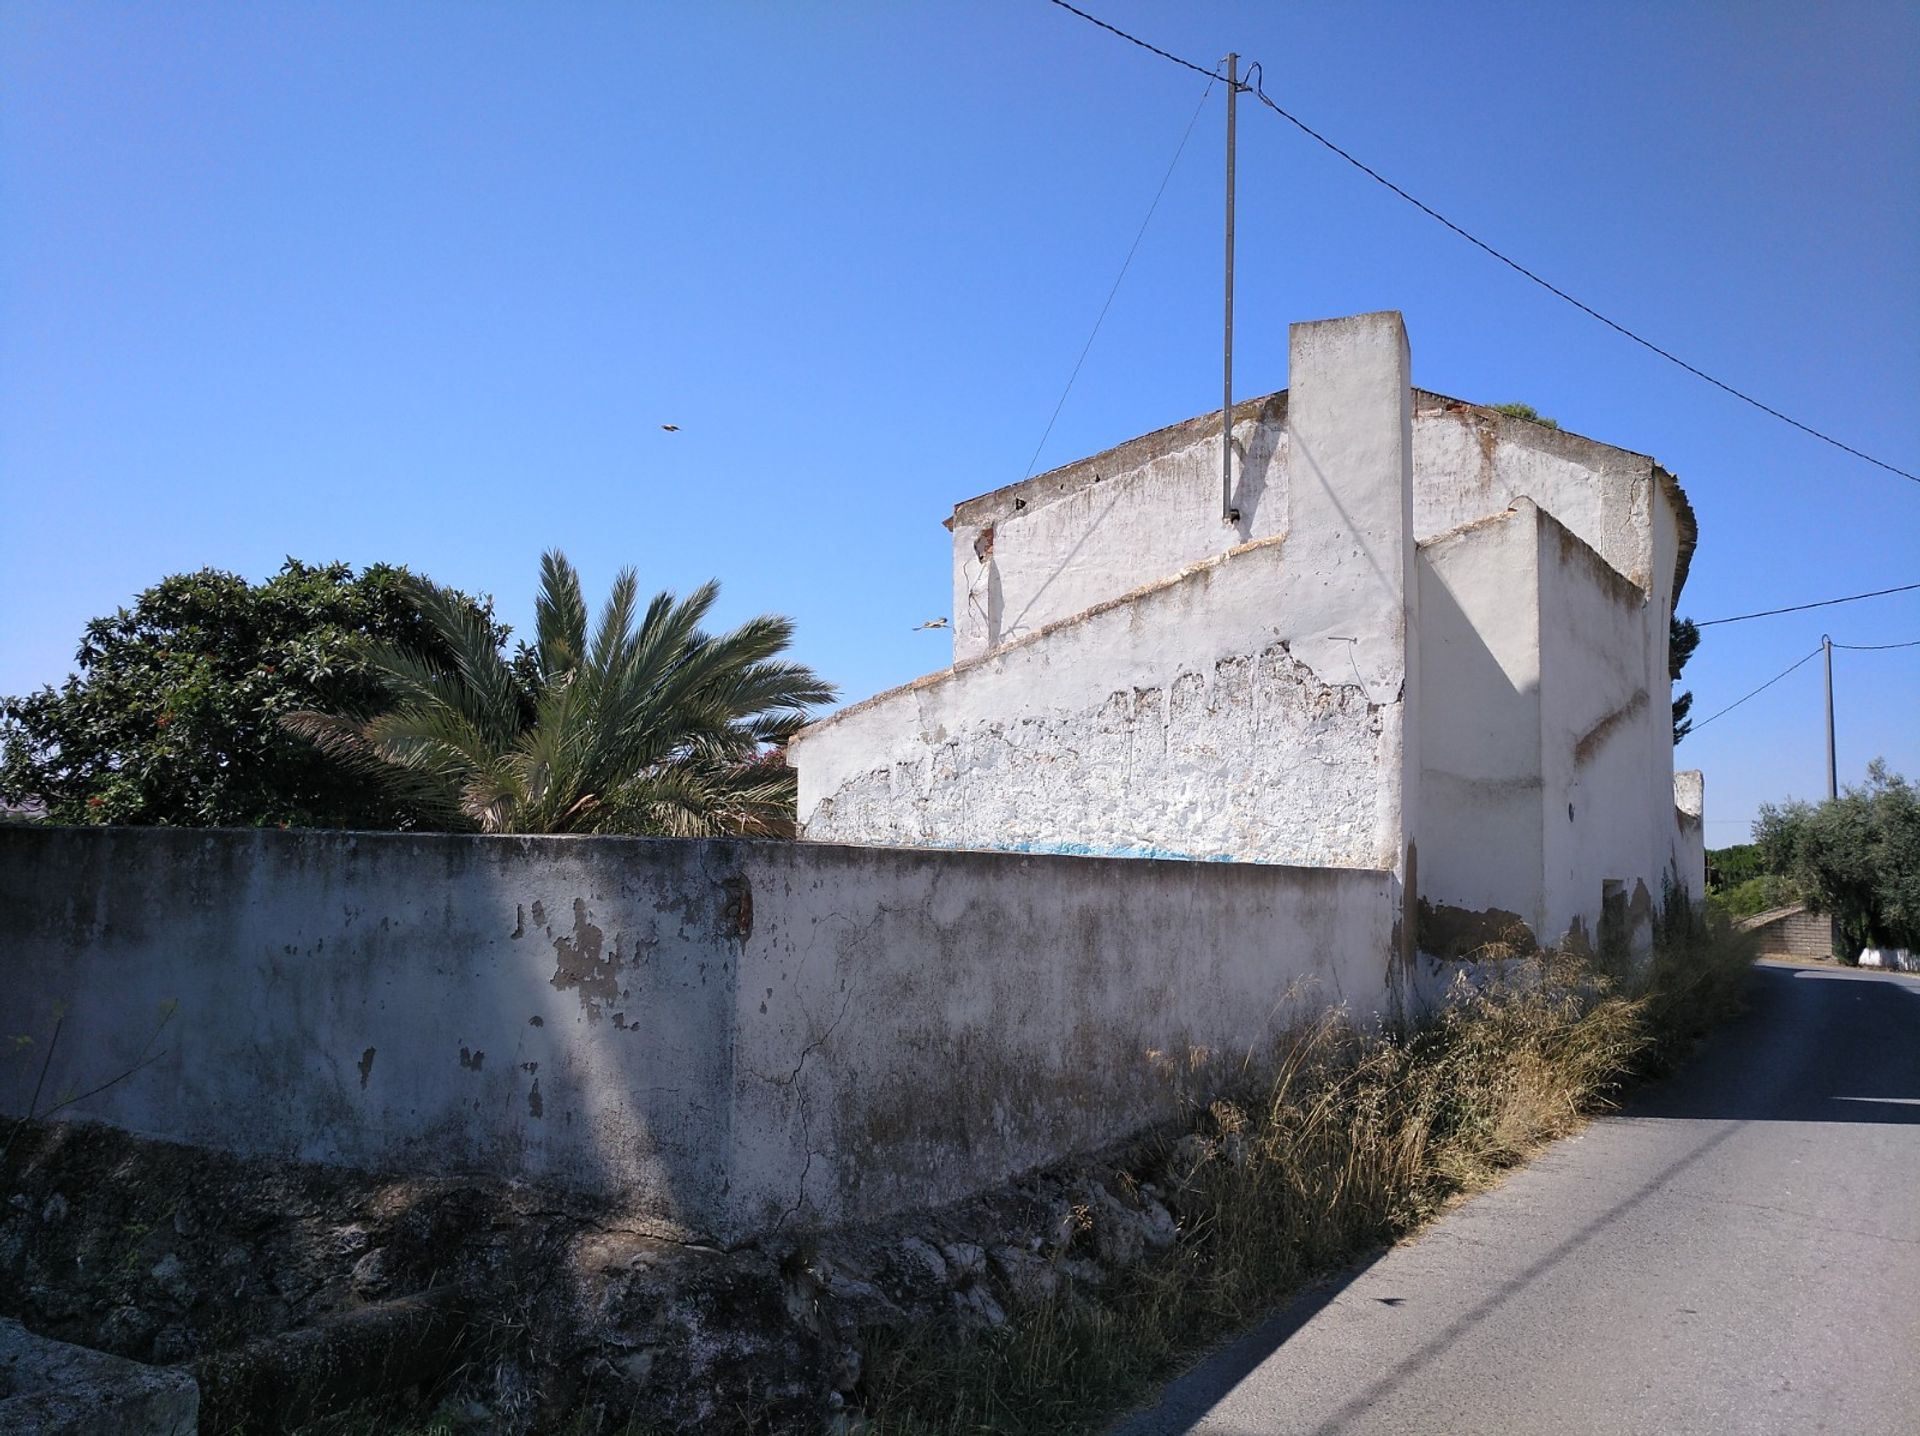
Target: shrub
1353	1139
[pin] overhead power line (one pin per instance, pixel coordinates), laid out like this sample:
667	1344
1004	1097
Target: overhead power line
1802	607
1854	647
1125	265
1755	694
1255	89
1144	45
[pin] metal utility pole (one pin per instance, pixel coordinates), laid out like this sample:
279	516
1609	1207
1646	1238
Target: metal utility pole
1833	773
1229	514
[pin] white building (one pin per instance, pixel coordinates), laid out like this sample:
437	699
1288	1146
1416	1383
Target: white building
1433	641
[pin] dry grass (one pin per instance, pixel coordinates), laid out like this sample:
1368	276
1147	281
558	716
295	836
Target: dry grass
1352	1141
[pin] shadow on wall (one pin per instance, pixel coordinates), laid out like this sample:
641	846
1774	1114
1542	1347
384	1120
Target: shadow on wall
721	1035
1255	459
1482	875
435	1003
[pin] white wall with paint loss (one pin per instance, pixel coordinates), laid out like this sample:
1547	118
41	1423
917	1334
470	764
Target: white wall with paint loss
1496	592
1253	704
1176	722
722	1036
1599	720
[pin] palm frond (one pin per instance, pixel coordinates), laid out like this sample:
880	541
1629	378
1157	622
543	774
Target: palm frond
492	698
346	742
559	617
651	725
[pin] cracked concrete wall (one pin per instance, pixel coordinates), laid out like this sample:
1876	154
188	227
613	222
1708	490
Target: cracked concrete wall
1252	706
723	1036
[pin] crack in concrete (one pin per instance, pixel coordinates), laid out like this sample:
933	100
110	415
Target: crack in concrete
790	1083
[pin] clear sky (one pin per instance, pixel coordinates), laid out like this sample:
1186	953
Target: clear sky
421	283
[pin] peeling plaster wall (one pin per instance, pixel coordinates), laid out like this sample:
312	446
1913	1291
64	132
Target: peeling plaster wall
1036	552
1256	705
1175	723
549	1008
725	1036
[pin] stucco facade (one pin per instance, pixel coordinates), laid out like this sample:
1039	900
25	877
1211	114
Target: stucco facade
1433	639
722	1036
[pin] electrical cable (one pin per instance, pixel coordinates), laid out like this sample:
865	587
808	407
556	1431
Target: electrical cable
1851	647
1260	94
1124	267
1136	40
1755	694
1802	607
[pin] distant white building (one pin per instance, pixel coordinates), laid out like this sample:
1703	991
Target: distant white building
1433	641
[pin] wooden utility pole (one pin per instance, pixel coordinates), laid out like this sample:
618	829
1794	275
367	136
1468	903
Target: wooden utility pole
1228	513
1833	773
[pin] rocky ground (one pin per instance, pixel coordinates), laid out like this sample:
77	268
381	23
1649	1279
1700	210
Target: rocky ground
290	1290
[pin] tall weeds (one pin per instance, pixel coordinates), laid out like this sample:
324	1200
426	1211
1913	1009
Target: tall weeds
1350	1140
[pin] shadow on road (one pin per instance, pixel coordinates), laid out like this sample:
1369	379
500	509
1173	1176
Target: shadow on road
1204	1386
1186	1403
1815	1045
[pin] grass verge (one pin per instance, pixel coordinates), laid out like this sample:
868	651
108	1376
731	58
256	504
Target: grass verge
1350	1140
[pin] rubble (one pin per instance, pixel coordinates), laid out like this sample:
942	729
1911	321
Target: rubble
277	1286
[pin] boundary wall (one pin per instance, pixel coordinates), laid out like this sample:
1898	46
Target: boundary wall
727	1036
1793	932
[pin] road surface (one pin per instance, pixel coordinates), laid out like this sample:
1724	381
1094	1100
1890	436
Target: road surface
1739	1251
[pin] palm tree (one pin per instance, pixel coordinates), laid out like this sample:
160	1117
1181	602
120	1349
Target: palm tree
660	728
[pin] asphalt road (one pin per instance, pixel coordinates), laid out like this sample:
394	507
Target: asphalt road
1738	1251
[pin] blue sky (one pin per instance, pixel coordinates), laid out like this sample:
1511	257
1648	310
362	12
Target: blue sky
421	283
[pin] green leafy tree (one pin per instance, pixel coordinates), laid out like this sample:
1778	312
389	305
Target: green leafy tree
1683	636
1729	867
653	726
1760	894
1856	856
173	715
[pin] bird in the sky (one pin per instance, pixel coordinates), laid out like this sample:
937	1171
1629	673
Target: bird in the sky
671	428
930	623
